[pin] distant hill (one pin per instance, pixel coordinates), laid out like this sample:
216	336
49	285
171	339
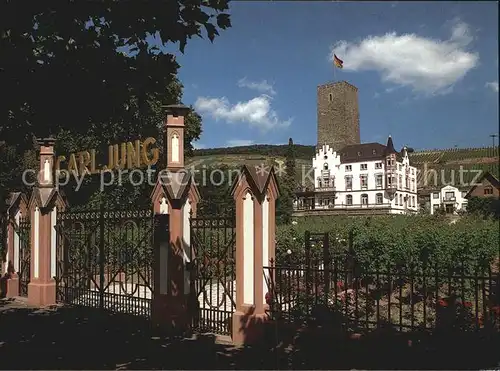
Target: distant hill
445	163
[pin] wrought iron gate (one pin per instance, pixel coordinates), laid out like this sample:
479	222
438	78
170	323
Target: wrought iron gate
213	274
24	257
105	259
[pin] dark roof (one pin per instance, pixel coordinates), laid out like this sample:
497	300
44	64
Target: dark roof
486	175
367	152
389	147
362	152
259	173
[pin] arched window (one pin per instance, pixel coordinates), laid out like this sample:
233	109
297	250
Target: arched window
348	200
364	199
325	166
175	148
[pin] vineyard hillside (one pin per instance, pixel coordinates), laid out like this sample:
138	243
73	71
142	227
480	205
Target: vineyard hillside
437	166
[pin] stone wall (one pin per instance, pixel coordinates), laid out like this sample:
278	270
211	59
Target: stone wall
338	115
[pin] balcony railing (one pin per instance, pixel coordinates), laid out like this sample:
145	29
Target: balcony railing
449	199
343	206
325	188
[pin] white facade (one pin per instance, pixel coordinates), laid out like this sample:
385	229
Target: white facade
451	199
374	181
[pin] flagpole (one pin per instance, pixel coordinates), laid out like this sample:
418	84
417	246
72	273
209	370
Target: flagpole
334	73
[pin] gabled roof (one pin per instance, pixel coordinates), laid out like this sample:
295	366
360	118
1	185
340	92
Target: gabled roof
174	184
367	152
486	175
42	197
14	199
258	175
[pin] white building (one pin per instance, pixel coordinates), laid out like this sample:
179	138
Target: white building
450	199
362	179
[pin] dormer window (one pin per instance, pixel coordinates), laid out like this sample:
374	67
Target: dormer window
325	166
374	152
359	153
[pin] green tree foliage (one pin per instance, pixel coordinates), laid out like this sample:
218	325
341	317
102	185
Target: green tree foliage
290	162
94	73
78	65
484	206
287	186
214	185
384	243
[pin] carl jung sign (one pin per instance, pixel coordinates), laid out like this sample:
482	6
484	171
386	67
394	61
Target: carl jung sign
128	155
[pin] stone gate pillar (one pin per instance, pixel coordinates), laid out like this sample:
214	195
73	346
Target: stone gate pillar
17	208
255	193
44	203
175	194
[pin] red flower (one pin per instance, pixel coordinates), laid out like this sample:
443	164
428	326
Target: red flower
467	304
269	298
496	310
340	284
442	303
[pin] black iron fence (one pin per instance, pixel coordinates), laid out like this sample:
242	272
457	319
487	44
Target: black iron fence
213	273
105	259
3	240
428	296
23	232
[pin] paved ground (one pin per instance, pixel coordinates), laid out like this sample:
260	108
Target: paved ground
69	338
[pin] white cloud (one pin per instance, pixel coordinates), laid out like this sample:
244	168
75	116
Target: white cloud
239	142
261	86
198	146
256	112
493	85
427	65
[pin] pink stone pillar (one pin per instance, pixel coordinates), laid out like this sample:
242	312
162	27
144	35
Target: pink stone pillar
173	194
45	200
255	194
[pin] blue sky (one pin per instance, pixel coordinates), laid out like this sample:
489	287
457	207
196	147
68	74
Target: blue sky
427	73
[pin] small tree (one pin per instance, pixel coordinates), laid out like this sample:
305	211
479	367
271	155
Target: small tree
287	186
484	206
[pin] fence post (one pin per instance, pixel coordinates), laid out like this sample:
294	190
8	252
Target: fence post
255	192
17	206
307	248
350	261
102	257
161	240
45	199
326	265
175	195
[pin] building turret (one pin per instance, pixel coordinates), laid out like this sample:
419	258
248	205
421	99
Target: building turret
391	167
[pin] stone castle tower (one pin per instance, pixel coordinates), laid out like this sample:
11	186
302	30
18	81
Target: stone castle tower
338	115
